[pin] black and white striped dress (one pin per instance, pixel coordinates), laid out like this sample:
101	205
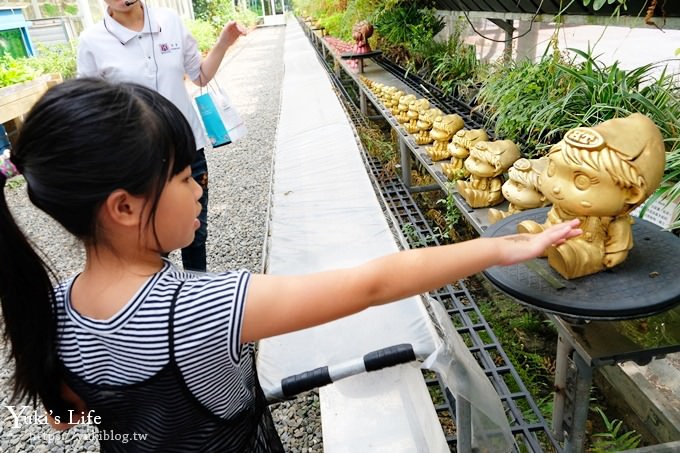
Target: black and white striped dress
194	390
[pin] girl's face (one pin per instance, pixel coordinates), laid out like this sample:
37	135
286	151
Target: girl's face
178	208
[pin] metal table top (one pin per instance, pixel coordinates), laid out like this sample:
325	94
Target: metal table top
646	283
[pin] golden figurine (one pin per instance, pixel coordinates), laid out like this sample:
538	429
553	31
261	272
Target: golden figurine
521	189
486	163
443	129
375	87
424	124
459	150
414	111
386	97
599	174
394	102
403	107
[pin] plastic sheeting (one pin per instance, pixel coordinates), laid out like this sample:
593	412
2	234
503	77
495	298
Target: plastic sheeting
462	375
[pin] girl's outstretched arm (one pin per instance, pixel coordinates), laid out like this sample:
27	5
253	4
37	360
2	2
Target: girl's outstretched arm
279	304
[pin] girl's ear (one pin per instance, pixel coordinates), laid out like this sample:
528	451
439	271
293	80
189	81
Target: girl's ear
123	209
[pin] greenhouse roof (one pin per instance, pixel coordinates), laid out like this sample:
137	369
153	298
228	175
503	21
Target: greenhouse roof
666	14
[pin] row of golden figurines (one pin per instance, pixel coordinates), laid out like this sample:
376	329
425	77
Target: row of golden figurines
598	174
478	180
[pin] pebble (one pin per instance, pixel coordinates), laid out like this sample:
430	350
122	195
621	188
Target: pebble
240	178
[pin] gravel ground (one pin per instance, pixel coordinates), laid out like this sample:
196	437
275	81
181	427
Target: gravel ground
240	177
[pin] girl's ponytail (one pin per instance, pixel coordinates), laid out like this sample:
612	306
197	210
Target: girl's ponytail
27	299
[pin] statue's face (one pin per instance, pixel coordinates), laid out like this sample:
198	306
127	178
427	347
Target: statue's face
520	195
478	166
581	190
459	152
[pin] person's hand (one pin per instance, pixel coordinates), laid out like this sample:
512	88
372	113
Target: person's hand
231	32
521	247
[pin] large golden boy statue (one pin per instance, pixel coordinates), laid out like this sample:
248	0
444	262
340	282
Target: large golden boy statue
599	174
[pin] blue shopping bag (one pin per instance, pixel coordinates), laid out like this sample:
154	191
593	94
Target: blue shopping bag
212	120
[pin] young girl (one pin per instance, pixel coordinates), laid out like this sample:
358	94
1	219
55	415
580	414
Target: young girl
157	358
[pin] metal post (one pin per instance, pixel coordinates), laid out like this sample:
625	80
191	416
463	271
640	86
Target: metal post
561	365
405	156
362	102
463	425
576	435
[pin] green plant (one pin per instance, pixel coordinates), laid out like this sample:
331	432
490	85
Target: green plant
407	22
204	32
597	92
452	214
412	237
597	4
448	64
15	70
55	58
376	145
219	12
401	25
50	10
71	10
614	439
514	94
336	25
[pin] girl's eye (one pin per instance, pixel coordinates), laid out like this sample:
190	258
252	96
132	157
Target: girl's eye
581	181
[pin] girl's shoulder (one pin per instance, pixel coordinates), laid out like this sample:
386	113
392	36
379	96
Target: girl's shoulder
205	286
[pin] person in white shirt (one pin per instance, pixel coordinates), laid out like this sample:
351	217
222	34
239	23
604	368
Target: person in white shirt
151	46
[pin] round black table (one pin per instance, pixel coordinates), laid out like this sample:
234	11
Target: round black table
646	283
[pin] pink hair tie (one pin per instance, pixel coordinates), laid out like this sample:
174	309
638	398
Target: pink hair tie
7	168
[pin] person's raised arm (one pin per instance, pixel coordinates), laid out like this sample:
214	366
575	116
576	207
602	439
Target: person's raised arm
230	33
280	304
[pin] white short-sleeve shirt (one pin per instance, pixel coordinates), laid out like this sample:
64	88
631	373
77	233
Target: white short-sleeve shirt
158	57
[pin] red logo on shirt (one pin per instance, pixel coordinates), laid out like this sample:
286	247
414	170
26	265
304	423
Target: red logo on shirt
164	48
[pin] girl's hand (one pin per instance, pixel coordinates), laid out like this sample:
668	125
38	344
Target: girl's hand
522	247
231	32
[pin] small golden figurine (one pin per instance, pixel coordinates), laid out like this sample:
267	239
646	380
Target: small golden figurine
403	108
521	188
424	124
443	129
599	174
414	111
486	163
385	95
394	102
459	150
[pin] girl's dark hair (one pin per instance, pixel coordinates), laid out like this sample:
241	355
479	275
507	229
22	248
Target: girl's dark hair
81	141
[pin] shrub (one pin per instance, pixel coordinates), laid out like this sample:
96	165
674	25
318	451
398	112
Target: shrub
204	32
55	58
